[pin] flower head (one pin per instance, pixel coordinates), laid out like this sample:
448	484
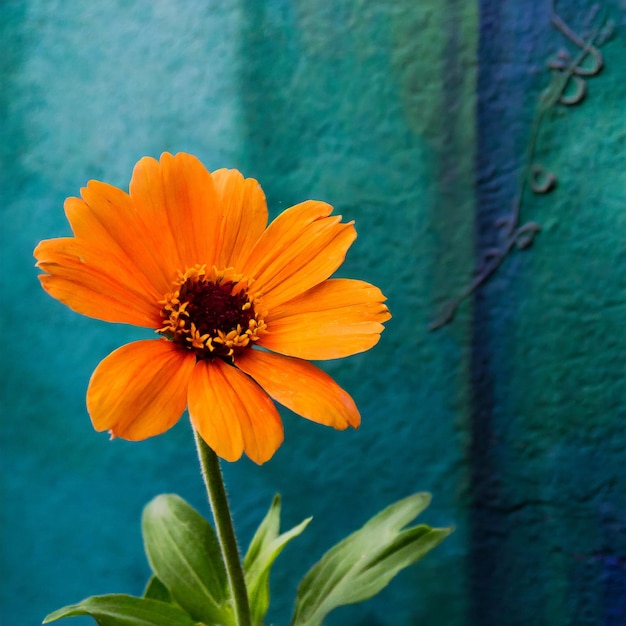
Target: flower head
239	307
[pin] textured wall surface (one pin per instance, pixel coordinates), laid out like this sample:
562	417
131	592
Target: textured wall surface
548	513
413	118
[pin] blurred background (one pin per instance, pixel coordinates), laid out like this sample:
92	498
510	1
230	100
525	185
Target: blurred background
414	119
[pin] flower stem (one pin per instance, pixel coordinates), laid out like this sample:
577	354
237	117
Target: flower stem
214	481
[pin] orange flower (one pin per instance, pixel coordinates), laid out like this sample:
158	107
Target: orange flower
189	253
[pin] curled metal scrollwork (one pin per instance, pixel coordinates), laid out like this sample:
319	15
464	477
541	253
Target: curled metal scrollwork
568	87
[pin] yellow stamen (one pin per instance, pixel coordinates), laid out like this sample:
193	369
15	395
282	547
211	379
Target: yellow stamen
196	311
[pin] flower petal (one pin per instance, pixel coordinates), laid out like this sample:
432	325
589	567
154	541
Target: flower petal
177	200
106	218
335	319
300	248
301	387
245	216
92	282
140	389
232	413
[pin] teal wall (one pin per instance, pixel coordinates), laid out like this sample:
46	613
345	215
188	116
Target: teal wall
548	453
413	119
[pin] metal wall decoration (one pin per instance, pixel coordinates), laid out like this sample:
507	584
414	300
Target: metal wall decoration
568	87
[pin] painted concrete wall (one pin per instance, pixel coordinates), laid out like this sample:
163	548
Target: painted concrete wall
548	507
412	118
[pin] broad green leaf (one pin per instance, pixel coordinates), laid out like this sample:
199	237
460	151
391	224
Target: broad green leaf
123	610
361	565
185	556
156	590
265	546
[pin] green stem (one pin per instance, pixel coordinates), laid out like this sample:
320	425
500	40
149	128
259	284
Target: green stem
212	474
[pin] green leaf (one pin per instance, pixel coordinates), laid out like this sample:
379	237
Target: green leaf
123	610
265	546
156	590
185	556
361	565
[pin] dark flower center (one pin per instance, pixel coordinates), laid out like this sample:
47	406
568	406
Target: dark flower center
211	315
